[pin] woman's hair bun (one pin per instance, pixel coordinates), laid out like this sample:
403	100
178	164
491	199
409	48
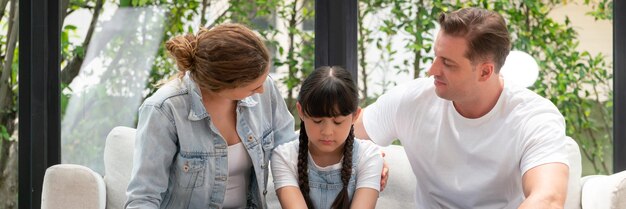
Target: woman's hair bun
183	50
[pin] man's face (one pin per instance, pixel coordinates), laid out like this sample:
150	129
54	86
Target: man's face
456	79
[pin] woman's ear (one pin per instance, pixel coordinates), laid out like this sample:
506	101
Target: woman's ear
356	114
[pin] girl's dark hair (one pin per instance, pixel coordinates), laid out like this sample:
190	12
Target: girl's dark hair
327	92
226	56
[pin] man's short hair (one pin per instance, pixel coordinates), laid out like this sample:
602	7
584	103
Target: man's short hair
485	31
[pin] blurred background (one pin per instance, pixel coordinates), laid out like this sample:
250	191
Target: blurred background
113	56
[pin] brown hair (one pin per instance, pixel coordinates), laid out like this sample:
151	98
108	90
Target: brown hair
224	57
485	32
327	92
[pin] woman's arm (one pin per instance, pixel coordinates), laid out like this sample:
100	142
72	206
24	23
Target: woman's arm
282	121
290	197
155	147
364	198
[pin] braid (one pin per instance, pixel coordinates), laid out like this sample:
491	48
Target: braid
343	200
303	167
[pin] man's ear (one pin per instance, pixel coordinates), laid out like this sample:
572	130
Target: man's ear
486	70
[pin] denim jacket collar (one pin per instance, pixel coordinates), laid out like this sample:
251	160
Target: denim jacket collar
197	110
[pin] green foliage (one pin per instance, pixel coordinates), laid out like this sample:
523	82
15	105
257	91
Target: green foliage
4	133
602	10
366	8
180	15
575	81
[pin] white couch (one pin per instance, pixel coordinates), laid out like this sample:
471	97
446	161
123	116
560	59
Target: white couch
68	186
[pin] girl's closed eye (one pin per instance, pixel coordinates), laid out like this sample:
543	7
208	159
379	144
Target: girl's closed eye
338	121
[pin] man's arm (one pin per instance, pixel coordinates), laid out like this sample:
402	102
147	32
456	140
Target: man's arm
545	186
359	128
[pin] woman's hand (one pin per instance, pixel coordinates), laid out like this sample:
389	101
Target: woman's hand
385	175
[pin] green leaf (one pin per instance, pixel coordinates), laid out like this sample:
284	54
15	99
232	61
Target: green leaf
4	134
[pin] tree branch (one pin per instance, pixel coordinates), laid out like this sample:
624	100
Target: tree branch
3	5
71	70
205	4
217	18
64	5
8	61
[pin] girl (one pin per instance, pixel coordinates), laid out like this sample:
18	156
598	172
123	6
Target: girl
204	139
327	167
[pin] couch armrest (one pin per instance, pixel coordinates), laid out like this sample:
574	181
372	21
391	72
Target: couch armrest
68	186
604	192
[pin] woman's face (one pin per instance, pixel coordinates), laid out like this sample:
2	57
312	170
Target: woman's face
239	93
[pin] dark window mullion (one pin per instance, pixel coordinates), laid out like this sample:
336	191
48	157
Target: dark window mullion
619	85
336	34
39	96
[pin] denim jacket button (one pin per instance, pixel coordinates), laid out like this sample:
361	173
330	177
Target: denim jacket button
186	168
264	192
250	138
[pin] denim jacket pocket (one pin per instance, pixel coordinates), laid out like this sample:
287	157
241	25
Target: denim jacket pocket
268	141
190	171
268	145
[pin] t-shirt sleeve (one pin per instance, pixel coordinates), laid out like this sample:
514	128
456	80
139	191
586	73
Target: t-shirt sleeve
284	165
546	141
379	118
370	166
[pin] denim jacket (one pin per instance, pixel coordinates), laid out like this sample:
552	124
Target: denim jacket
324	186
180	160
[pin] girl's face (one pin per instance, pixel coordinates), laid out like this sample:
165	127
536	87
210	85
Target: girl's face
327	134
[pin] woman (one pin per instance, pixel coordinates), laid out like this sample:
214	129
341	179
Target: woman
204	139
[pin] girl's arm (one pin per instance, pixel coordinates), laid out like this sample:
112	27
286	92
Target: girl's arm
364	198
285	174
368	175
290	197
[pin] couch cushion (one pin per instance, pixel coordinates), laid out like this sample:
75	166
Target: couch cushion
69	186
118	163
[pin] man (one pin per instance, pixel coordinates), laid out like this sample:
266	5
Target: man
472	140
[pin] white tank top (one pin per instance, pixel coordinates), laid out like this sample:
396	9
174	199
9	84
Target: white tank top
239	169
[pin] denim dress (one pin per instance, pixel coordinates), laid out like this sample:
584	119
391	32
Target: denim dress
180	159
324	186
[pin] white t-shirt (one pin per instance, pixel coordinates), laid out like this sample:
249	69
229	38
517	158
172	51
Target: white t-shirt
468	163
284	163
